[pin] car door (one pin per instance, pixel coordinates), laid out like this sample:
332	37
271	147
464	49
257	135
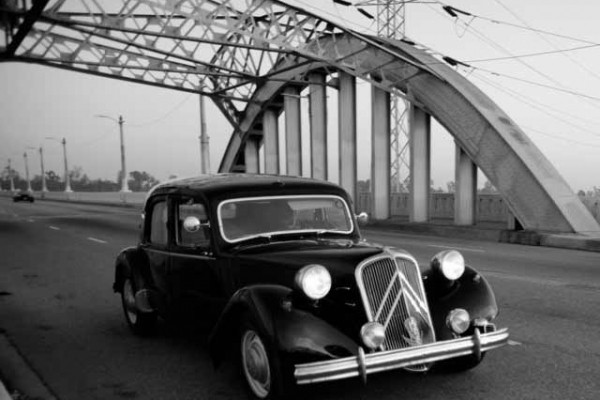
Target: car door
194	282
155	242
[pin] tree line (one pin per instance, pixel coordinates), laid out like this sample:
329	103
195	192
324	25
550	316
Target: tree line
139	181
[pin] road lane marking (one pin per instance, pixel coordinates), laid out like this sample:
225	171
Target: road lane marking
514	343
30	220
457	248
96	240
55	228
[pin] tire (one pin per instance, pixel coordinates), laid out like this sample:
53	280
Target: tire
260	365
142	324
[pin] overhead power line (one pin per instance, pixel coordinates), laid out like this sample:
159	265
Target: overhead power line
542	53
455	12
550	43
558	89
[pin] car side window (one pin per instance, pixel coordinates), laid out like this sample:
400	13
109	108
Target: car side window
192	234
158	226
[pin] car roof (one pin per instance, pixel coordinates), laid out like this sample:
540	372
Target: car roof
235	184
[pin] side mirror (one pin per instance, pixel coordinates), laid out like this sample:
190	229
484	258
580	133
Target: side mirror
362	218
191	224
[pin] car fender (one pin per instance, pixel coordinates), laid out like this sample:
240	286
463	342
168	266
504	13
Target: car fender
471	292
132	262
295	333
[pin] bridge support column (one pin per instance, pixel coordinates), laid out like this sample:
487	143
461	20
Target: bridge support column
465	192
380	153
347	133
318	125
420	165
293	131
251	155
271	141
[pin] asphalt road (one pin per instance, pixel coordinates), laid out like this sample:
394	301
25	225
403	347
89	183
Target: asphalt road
58	309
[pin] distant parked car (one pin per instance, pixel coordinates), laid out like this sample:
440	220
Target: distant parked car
23	196
278	266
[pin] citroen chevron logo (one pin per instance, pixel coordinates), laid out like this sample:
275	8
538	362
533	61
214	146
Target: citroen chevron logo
411	298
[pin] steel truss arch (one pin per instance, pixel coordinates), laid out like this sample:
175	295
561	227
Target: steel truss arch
223	49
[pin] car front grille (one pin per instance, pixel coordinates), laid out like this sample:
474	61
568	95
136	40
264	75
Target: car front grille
393	295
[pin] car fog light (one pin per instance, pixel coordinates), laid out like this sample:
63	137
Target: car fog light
373	334
458	320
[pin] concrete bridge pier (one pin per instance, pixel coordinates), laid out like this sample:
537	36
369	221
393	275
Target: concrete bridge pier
251	154
271	141
318	124
420	164
465	191
380	156
293	130
347	134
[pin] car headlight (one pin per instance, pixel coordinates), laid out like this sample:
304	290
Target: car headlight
458	320
450	263
372	334
314	280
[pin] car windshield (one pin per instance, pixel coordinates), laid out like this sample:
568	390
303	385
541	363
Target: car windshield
245	218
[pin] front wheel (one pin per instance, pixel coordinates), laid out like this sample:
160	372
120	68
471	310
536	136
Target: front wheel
141	323
260	366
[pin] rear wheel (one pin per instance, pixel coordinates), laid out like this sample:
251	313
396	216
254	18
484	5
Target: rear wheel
141	323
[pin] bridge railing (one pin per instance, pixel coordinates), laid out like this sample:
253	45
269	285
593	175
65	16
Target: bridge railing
490	207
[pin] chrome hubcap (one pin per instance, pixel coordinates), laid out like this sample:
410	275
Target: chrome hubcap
129	302
255	363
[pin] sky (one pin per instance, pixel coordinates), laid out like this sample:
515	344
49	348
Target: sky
537	59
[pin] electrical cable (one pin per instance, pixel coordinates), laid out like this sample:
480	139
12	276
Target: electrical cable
168	113
545	39
458	11
567	91
542	53
539	106
535	129
491	43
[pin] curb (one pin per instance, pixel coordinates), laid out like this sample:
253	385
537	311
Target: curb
498	235
4	393
19	375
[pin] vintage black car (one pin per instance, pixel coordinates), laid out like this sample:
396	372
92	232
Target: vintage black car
23	196
278	267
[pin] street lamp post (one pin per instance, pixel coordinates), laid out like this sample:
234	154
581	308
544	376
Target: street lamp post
204	149
10	177
27	172
67	177
44	187
120	121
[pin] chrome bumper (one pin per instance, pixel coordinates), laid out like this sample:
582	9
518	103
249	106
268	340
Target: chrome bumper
365	364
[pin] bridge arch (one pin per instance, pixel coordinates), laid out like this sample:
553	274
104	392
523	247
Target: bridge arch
533	189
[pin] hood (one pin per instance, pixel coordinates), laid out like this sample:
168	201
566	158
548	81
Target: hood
340	257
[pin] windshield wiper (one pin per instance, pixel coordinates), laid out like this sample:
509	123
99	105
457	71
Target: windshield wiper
255	239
